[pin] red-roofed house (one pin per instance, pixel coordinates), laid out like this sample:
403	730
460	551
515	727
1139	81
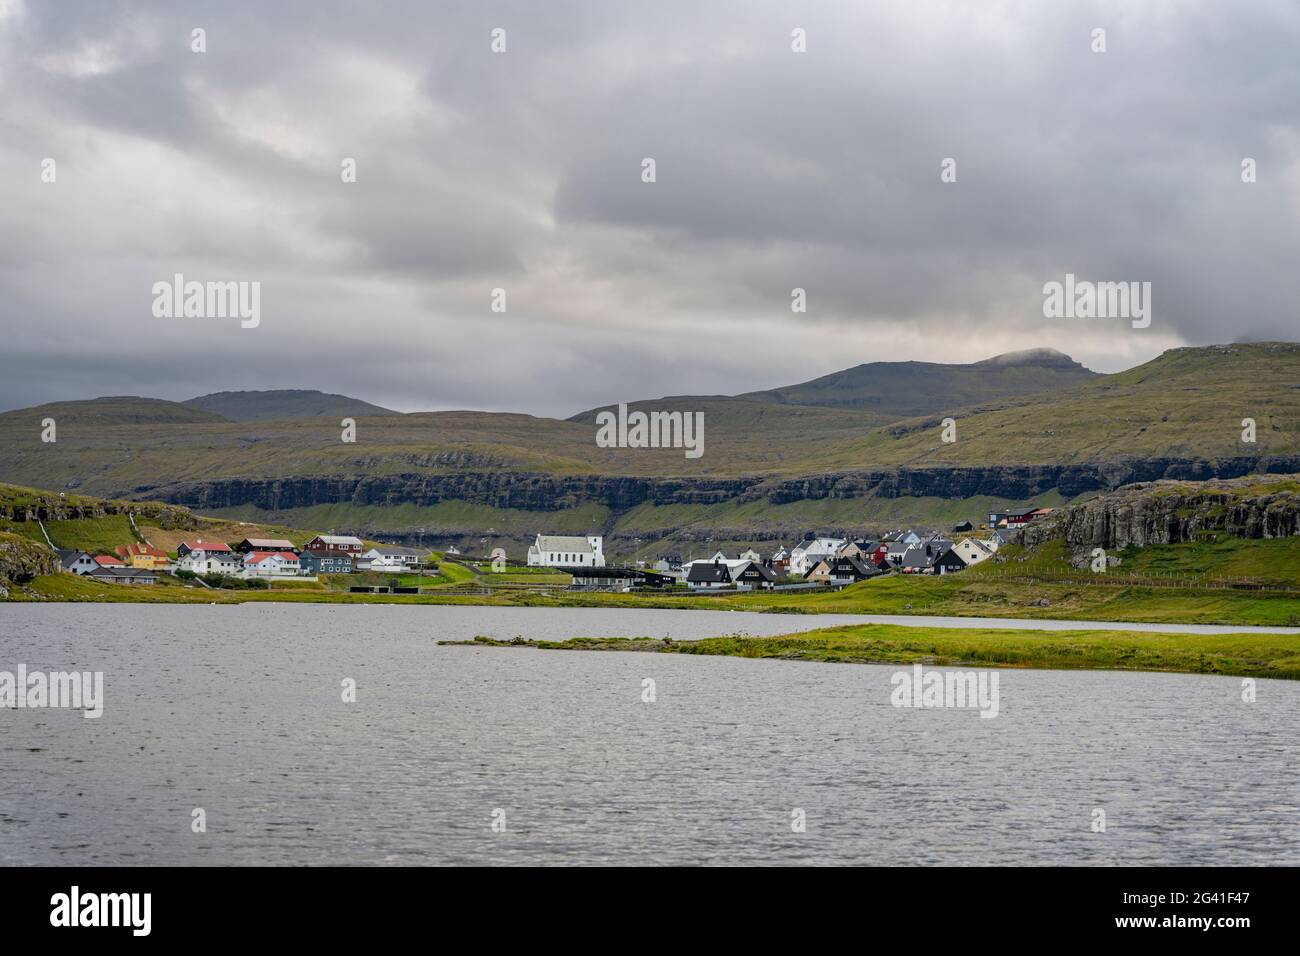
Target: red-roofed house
270	563
108	561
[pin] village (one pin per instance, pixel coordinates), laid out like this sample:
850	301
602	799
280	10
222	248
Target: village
813	563
251	559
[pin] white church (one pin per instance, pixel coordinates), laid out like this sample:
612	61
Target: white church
563	551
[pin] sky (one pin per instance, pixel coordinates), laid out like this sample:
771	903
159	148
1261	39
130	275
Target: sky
522	170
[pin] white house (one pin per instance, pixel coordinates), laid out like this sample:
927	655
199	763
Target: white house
202	561
799	563
266	564
560	550
389	557
972	551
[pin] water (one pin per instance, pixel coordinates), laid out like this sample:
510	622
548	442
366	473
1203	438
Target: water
237	710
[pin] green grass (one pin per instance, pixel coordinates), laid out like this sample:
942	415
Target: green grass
892	595
92	534
1246	655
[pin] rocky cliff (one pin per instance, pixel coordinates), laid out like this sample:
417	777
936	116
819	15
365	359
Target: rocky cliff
21	560
535	491
26	505
1170	512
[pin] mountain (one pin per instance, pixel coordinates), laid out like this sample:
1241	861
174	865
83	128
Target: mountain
284	404
113	410
904	389
770	470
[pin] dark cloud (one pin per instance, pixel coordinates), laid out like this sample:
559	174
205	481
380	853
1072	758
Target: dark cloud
522	171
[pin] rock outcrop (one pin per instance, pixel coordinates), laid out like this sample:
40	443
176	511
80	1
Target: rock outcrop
22	559
1170	512
51	507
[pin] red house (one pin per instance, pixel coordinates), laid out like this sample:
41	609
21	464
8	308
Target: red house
344	543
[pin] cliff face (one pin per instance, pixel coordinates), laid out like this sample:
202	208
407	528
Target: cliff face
52	508
21	560
525	490
534	491
1170	512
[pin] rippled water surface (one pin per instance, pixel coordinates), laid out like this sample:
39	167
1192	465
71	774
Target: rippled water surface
237	709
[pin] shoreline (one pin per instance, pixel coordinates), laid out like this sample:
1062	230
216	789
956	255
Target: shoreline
1231	655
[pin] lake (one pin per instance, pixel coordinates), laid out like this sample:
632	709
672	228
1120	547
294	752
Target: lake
238	710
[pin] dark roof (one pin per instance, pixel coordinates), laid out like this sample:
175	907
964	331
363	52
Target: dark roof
709	574
68	558
853	565
765	573
120	572
917	558
949	558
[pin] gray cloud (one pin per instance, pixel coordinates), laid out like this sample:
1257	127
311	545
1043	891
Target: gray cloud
522	170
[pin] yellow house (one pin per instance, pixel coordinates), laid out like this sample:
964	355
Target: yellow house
142	556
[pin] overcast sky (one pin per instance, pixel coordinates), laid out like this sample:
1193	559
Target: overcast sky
523	170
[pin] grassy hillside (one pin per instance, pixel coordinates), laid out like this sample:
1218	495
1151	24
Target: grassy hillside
1188	403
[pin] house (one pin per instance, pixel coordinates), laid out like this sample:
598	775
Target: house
345	543
755	577
198	544
972	551
857	549
121	574
137	555
820	572
616	579
109	561
563	551
271	564
962	528
751	555
850	569
77	562
390	557
948	562
707	574
895	551
325	562
206	557
807	553
1016	519
916	561
780	561
936	544
249	545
